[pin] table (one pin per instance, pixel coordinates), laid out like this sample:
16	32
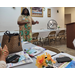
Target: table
39	31
42	33
64	64
32	65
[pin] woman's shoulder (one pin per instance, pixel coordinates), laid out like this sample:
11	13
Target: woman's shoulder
21	15
29	16
20	18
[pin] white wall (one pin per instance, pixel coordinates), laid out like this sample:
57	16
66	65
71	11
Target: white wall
71	10
9	16
59	17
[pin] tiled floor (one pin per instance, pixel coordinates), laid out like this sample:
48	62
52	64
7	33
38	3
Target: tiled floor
62	47
65	49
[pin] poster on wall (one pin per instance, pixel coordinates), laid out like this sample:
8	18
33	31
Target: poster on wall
36	11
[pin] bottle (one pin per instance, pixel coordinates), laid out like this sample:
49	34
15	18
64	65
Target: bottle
21	39
0	45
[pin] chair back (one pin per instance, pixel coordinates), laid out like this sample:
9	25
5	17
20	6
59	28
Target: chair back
52	34
52	49
16	30
61	33
35	37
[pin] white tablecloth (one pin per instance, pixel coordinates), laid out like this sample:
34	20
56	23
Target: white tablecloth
44	33
32	65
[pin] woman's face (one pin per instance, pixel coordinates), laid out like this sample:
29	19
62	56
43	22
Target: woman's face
25	12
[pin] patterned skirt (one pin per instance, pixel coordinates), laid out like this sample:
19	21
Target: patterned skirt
26	32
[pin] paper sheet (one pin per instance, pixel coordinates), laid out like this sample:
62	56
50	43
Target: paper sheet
48	51
74	42
35	50
25	60
62	65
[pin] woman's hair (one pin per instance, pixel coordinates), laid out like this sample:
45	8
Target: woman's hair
24	10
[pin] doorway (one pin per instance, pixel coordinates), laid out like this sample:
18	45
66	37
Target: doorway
67	19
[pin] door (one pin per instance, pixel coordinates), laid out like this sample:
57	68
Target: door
67	19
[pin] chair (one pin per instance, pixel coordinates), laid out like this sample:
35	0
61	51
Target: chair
51	36
16	30
52	49
2	31
61	34
65	35
35	37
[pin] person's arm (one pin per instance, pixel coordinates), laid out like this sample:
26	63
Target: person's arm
35	22
3	54
2	60
2	57
3	64
22	23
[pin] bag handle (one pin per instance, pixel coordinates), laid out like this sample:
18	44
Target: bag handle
19	40
19	37
7	32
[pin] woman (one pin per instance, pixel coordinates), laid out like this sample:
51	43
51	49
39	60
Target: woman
25	25
3	54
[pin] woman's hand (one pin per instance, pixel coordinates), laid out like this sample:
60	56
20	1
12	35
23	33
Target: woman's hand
4	52
37	22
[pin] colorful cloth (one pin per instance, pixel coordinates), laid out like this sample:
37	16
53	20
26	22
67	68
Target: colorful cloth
26	30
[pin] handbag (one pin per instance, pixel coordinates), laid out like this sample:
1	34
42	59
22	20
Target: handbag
12	41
